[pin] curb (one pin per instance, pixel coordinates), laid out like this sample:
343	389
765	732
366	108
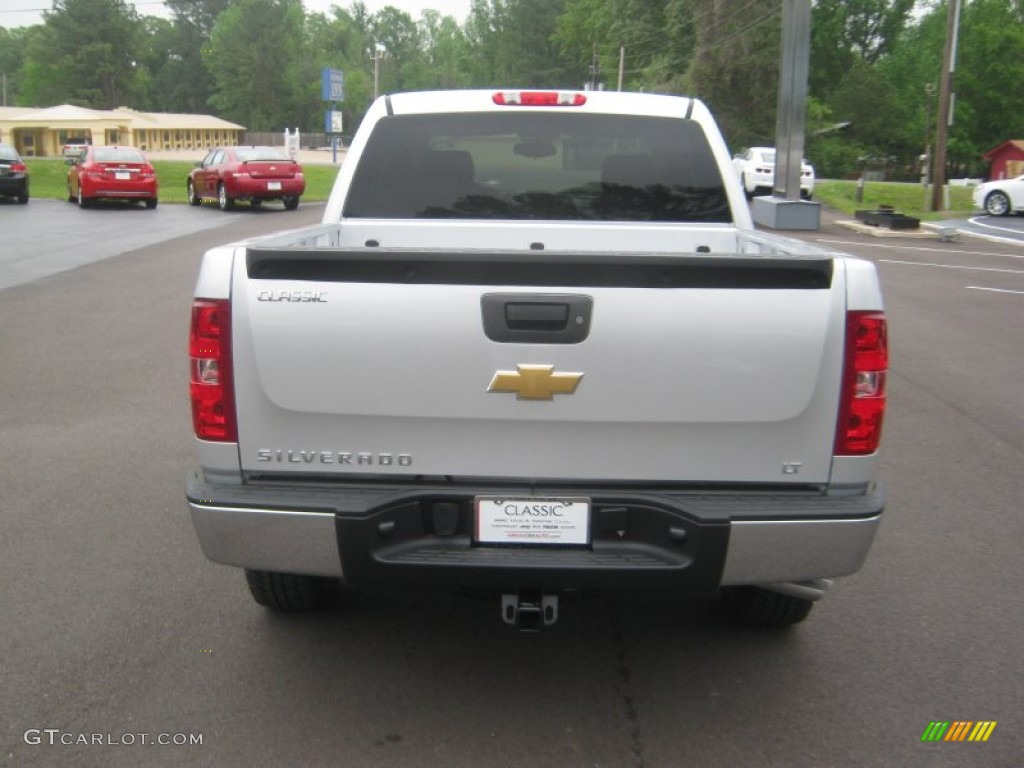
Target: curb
946	234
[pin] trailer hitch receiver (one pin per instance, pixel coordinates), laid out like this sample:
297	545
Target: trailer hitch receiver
529	611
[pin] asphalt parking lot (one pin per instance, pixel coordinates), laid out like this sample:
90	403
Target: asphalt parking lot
47	237
116	628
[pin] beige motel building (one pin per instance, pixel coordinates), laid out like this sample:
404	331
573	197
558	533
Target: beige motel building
43	132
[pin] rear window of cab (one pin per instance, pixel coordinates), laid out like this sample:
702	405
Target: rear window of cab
556	166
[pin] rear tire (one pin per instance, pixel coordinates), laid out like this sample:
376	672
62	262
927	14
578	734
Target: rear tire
151	203
291	202
762	608
288	592
193	198
224	202
23	197
83	201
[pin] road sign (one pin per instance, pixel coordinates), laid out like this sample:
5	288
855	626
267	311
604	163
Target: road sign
332	121
332	85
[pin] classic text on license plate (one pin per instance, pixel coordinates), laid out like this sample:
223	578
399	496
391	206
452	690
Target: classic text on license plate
533	520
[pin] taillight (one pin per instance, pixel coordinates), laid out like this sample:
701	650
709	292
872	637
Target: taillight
19	167
539	99
211	386
862	407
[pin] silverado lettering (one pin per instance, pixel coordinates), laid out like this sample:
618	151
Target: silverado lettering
479	247
335	457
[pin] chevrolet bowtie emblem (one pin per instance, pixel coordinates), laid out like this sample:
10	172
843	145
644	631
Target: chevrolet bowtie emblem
535	382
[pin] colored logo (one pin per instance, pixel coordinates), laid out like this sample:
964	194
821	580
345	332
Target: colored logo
535	382
958	730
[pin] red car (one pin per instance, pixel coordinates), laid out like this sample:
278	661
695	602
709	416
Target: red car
255	174
121	173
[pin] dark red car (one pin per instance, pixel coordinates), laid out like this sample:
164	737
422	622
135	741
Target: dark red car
254	174
120	173
112	173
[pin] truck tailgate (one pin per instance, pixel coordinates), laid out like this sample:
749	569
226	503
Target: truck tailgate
504	365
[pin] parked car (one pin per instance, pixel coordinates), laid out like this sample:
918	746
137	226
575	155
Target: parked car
1001	197
113	173
13	174
74	146
254	174
756	169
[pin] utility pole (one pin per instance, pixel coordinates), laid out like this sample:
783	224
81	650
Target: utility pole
944	117
622	64
378	52
926	171
593	69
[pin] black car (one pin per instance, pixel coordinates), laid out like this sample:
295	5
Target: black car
13	174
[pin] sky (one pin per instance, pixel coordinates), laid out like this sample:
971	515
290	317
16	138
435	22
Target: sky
20	13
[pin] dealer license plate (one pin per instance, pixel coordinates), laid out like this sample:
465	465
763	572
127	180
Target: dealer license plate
122	175
273	186
533	520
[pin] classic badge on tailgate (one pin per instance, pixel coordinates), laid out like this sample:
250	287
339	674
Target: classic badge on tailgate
535	382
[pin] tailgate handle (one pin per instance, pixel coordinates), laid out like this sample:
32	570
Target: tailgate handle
536	318
532	316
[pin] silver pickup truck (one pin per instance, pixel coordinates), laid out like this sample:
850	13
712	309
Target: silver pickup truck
536	347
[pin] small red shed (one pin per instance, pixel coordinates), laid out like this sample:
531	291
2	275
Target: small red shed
1007	160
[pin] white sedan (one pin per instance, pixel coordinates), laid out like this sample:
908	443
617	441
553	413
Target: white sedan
1001	197
756	169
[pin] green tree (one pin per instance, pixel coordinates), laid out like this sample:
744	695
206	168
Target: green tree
86	54
533	55
262	78
652	39
340	42
875	110
13	44
515	44
180	81
845	31
735	67
396	38
989	73
989	105
447	50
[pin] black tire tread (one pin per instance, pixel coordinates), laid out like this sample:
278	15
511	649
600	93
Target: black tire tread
288	592
757	607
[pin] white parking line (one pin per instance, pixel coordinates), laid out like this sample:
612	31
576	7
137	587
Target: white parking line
919	248
993	290
952	266
979	223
